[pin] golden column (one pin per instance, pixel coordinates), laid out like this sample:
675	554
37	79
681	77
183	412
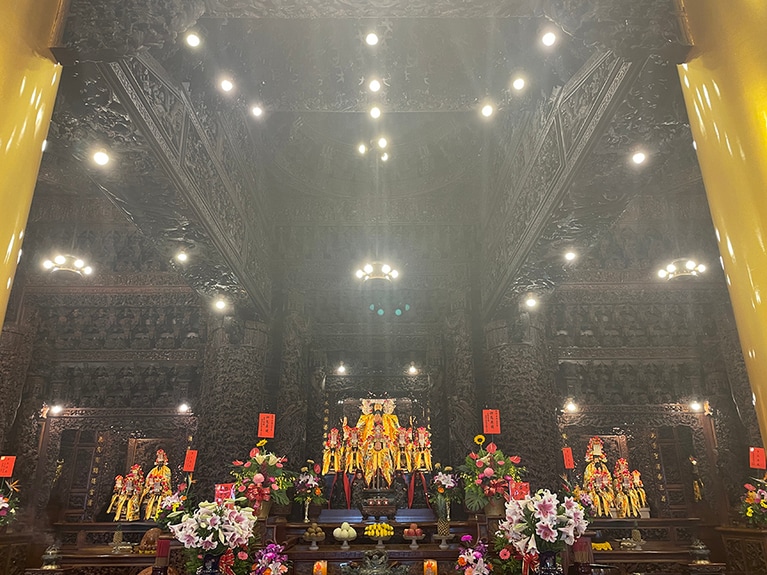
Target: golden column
725	88
29	78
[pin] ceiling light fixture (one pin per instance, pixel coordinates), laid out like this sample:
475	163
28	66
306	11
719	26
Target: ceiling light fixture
100	157
184	408
193	40
377	271
182	257
385	156
549	39
681	267
570	256
341	369
382	143
362	148
412	370
570	405
531	301
374	85
226	85
257	111
68	263
56	409
375	112
695	405
220	304
639	157
487	110
371	39
518	83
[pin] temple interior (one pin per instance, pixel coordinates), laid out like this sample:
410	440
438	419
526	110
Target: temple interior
370	231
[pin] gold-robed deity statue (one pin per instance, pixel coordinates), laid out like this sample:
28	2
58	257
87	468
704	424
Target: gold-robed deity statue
378	457
128	507
156	486
627	500
354	456
403	450
116	490
596	477
422	450
333	453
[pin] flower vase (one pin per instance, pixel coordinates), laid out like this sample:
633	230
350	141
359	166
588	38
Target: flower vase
496	507
306	510
263	510
209	565
547	563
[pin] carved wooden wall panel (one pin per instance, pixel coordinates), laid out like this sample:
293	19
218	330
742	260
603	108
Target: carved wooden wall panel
15	354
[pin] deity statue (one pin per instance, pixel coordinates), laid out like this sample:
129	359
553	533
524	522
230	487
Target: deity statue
626	498
374	412
128	506
157	486
115	493
422	450
378	458
636	478
596	477
403	450
354	455
332	454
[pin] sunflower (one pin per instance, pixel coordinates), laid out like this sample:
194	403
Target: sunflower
479	439
261	443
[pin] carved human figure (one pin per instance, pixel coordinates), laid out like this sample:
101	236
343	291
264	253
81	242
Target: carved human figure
403	449
156	487
332	454
422	450
128	506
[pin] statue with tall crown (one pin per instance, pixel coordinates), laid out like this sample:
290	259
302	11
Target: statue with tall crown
596	477
157	486
333	452
403	449
128	506
422	450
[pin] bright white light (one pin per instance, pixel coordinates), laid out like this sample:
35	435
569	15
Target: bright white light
87	270
47	264
531	302
701	268
193	40
371	39
518	83
382	143
368	269
59	259
384	157
359	274
56	409
570	256
548	39
79	263
695	406
257	111
386	268
412	370
689	264
662	274
220	304
375	112
227	85
183	408
374	85
639	157
101	158
45	144
181	256
362	148
394	274
487	110
671	268
341	368
571	406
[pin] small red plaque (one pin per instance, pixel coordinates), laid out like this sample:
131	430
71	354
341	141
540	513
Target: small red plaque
491	421
6	465
756	458
266	425
190	460
567	456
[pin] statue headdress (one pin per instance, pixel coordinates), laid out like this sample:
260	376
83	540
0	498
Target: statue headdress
596	450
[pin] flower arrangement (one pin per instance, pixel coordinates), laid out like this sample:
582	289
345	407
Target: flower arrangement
173	506
473	559
271	560
487	474
215	528
445	485
539	523
308	485
262	477
753	505
9	502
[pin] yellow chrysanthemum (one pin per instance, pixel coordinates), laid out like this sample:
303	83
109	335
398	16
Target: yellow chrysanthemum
261	443
479	439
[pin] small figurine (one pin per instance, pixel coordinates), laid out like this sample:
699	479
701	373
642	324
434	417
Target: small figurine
116	490
627	500
128	506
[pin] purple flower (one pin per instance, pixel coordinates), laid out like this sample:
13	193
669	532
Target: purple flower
467	538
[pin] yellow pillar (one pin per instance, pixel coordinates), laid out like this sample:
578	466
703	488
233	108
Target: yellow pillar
29	78
725	88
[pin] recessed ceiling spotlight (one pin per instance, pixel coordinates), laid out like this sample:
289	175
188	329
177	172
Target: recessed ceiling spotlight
639	157
571	406
382	143
412	370
56	409
530	301
220	304
384	156
695	405
374	85
518	83
549	39
487	110
101	158
375	112
257	111
570	256
362	148
371	39
341	369
193	39
183	408
181	257
226	85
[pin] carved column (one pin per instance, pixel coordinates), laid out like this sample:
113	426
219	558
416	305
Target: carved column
290	432
520	374
15	354
231	397
461	389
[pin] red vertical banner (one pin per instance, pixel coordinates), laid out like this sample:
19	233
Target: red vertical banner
190	460
756	458
266	425
491	421
567	456
6	465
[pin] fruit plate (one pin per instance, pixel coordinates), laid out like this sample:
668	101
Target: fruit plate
314	539
380	540
414	539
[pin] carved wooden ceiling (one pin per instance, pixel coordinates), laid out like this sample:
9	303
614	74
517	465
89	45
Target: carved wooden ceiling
284	201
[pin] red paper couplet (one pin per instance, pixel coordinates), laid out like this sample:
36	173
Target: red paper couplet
6	465
190	460
266	425
756	458
491	421
224	491
519	490
567	455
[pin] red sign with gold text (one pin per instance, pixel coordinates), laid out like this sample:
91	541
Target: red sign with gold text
567	456
756	458
519	490
190	460
491	421
224	491
6	465
266	425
